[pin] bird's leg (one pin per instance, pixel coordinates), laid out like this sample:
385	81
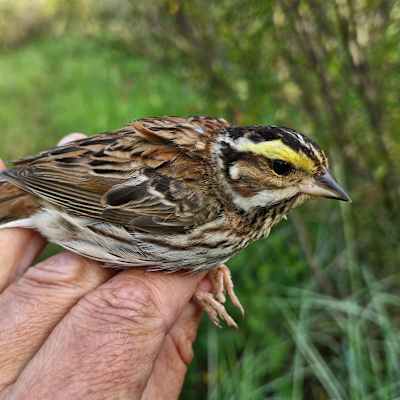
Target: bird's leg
213	302
215	310
225	272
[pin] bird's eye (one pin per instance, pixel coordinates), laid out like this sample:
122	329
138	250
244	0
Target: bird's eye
282	168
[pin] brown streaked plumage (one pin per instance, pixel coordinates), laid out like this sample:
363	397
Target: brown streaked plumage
167	193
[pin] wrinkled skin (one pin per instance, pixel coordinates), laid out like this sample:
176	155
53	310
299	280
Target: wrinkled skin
72	329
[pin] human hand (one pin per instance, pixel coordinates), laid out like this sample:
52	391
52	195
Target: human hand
70	329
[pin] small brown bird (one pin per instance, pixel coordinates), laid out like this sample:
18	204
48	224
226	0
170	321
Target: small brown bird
167	194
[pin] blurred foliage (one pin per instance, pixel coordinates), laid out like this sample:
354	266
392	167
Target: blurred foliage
321	292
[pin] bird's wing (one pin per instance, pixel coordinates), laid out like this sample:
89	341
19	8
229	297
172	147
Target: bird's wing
148	176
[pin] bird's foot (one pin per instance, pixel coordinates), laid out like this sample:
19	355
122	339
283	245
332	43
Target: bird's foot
213	302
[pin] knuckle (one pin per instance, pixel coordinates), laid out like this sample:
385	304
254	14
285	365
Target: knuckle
64	270
130	304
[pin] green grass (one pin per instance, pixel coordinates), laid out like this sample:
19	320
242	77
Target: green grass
51	88
342	349
295	342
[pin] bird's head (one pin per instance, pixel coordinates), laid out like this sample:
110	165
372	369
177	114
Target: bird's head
263	166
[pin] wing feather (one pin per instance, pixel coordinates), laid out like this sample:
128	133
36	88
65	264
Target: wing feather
146	177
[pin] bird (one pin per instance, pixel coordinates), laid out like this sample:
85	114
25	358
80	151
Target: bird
168	194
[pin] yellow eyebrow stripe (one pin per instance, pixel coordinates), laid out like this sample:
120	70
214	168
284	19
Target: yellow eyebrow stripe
276	149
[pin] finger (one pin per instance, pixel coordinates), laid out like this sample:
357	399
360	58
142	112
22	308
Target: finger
34	305
110	340
18	248
176	354
71	137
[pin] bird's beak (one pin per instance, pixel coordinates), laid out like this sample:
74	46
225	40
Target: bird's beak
324	186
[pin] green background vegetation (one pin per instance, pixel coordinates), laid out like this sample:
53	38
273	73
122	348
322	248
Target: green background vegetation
322	293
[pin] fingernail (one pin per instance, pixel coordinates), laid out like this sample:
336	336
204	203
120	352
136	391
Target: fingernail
71	137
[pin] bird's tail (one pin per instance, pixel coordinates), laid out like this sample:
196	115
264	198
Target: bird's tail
16	205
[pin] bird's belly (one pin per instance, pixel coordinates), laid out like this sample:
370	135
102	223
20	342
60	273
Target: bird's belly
206	247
